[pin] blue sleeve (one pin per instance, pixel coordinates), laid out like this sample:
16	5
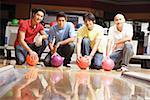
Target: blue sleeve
71	30
50	35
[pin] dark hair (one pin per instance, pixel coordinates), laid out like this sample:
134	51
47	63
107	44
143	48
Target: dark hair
89	16
61	14
38	9
119	12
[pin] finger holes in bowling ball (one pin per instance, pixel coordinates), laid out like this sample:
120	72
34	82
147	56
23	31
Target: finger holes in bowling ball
56	60
83	63
32	60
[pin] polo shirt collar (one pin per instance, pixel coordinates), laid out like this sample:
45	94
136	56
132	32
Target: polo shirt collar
30	22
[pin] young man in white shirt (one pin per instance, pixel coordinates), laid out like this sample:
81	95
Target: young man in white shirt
120	37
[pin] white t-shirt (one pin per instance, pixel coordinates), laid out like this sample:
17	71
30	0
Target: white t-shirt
115	35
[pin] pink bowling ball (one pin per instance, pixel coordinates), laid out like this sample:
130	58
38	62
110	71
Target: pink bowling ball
108	64
56	60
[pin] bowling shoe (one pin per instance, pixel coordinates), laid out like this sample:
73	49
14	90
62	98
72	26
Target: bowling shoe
66	65
123	68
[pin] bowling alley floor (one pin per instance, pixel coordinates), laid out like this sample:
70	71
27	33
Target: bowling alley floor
131	67
116	81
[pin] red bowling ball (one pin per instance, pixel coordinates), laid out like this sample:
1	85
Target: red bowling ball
52	24
83	63
32	60
108	64
56	60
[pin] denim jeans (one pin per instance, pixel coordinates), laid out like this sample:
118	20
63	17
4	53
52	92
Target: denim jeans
21	53
122	57
86	49
65	51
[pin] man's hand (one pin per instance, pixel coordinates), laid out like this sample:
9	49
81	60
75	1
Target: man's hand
84	59
118	45
79	57
38	41
33	54
89	58
58	44
54	49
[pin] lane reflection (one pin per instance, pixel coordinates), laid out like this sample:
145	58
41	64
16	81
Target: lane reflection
65	84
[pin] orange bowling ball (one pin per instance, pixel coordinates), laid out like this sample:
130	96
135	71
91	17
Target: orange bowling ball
32	60
83	63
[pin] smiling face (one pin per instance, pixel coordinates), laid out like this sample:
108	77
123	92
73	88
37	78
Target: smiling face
38	17
61	22
89	20
89	24
119	20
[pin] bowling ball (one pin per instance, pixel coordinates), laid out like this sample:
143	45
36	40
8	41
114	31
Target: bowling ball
83	63
56	60
15	22
52	24
108	64
32	60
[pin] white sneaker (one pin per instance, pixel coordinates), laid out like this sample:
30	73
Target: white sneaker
123	68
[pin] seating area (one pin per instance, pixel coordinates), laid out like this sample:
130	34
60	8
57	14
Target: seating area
144	59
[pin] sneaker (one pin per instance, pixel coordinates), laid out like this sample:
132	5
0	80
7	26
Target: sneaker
66	65
66	62
123	68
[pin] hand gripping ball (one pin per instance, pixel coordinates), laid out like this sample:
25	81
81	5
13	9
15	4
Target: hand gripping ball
83	63
32	60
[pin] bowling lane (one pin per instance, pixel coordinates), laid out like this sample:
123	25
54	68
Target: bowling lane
64	83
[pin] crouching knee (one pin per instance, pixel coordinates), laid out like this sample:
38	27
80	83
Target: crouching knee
20	61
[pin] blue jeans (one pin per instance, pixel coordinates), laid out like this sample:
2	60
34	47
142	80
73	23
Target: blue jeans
65	51
122	57
21	53
86	49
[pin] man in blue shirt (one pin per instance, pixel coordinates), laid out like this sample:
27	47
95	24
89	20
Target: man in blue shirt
61	37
